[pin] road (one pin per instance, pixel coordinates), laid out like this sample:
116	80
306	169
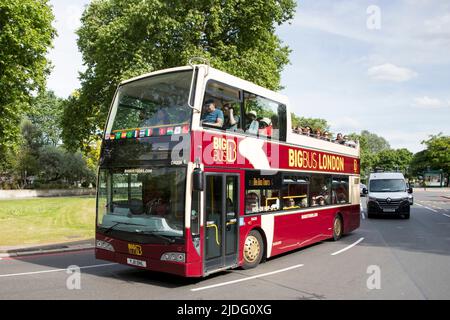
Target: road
386	258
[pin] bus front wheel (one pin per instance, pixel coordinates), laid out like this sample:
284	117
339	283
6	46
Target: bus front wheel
253	249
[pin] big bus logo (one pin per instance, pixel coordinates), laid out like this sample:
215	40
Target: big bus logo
135	249
224	150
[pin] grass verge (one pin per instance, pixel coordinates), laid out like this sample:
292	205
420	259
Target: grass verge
46	220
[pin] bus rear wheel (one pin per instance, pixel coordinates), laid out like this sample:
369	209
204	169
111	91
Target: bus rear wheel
253	249
337	228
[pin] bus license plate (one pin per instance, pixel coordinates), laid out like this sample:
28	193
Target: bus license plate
138	263
388	210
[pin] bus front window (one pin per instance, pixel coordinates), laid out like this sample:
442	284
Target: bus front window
156	102
147	201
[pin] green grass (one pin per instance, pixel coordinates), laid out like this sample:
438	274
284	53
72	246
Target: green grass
46	220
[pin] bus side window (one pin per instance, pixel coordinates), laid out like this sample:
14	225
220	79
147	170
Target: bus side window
227	104
264	117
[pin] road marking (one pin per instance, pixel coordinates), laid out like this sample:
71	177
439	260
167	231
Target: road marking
446	215
248	278
53	270
346	248
426	207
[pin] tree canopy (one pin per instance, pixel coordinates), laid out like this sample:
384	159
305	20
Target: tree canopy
26	34
120	39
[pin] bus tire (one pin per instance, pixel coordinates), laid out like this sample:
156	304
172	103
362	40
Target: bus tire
253	250
338	228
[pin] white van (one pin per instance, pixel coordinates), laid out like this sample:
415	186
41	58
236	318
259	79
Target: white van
387	193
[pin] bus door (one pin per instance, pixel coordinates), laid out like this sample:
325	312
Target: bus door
221	221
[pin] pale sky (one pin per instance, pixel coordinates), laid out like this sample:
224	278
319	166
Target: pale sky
390	76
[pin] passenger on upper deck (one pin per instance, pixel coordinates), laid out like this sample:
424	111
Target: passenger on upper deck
231	121
212	116
339	139
265	127
252	124
307	131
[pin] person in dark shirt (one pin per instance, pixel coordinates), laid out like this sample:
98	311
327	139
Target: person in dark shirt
211	115
231	121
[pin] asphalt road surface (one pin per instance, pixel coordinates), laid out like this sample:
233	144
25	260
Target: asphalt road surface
386	258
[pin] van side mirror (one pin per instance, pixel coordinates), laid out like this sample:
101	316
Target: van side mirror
197	179
410	190
365	191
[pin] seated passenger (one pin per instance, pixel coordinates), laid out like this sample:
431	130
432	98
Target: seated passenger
252	125
304	203
326	136
265	127
339	139
289	203
251	202
318	133
161	117
211	115
307	131
231	121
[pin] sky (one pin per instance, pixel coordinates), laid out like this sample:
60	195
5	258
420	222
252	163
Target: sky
381	66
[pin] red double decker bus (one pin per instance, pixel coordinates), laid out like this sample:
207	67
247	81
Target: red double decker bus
200	171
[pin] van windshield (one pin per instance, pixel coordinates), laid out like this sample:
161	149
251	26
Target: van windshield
387	185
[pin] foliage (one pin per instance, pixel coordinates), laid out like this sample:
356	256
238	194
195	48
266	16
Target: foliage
46	115
26	34
313	123
120	39
394	160
435	157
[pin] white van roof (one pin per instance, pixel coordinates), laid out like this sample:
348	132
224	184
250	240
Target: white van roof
386	175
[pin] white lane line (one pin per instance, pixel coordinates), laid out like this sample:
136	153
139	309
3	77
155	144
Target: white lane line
53	270
426	207
346	248
248	278
446	215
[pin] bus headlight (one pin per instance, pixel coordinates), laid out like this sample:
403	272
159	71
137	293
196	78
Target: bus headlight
104	245
174	256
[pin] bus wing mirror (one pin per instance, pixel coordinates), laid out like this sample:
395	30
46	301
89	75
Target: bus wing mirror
197	180
365	191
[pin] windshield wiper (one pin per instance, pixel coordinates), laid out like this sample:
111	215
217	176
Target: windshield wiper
117	223
154	233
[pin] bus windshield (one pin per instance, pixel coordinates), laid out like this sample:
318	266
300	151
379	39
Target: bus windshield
147	201
157	101
387	185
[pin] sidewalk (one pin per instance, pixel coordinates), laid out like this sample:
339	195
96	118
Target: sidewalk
25	250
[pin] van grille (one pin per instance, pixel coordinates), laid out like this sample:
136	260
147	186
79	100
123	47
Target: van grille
394	203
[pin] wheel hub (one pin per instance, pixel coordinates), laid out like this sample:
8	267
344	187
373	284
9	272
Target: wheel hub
251	249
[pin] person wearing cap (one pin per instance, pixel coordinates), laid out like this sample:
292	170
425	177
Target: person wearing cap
252	123
211	115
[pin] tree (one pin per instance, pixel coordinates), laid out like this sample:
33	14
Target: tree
121	38
46	115
394	160
436	156
370	147
26	34
313	123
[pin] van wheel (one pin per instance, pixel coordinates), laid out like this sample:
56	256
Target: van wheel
337	228
253	250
